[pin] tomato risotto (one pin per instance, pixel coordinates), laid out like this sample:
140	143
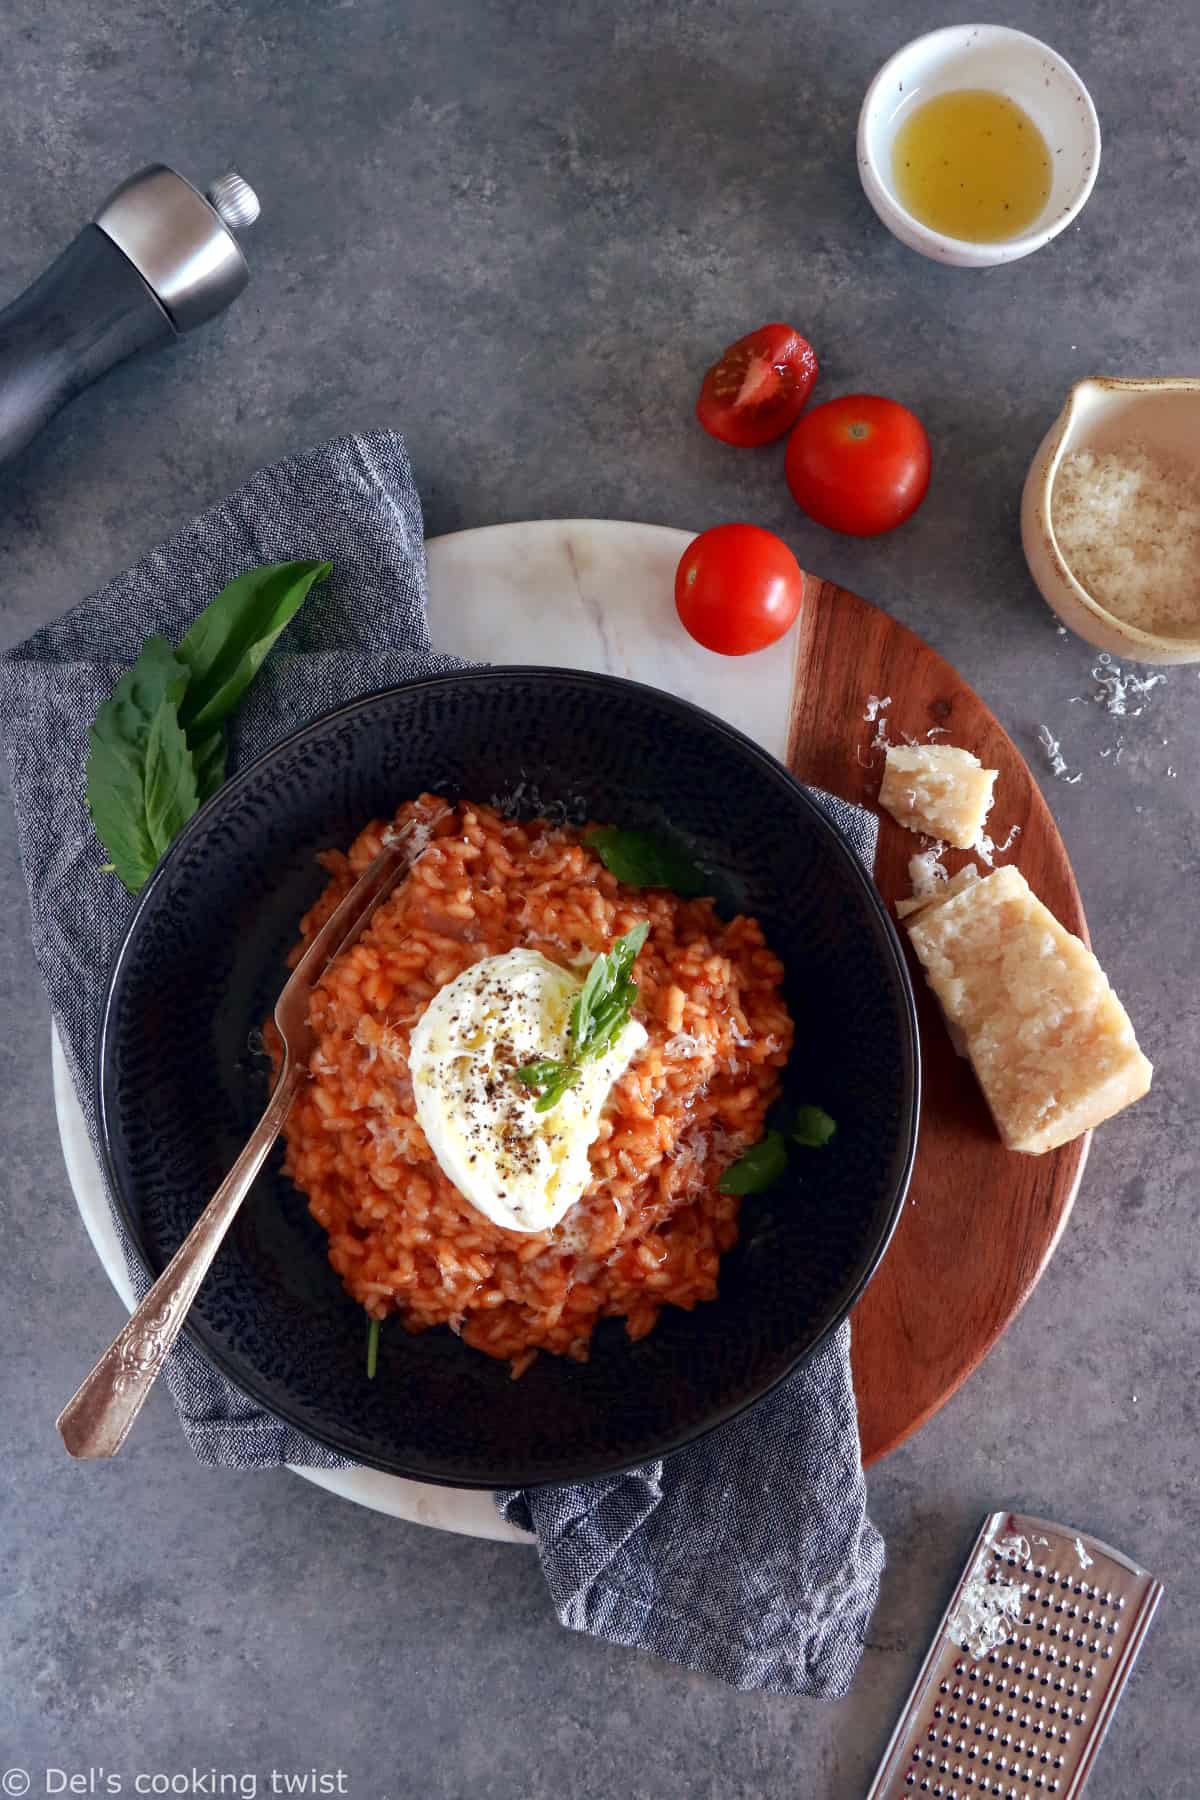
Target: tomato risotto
651	1225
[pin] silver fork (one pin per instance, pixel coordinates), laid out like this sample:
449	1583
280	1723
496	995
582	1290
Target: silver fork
97	1418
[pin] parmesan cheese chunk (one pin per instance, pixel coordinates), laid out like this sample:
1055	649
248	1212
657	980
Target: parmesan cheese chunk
1050	1043
938	790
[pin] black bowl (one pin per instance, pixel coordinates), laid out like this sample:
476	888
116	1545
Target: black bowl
203	961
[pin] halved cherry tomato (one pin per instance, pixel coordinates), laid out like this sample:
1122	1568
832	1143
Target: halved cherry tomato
859	465
737	588
757	390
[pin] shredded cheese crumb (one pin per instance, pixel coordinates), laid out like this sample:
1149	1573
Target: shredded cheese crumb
1015	1543
987	851
927	870
987	1610
416	833
877	705
1055	757
938	891
1114	689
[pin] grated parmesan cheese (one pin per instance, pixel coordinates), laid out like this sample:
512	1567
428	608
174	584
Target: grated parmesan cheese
1128	525
987	850
416	833
988	1610
1055	757
926	870
875	714
1016	1544
1114	689
936	893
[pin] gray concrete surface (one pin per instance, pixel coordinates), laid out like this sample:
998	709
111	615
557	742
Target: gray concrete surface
519	232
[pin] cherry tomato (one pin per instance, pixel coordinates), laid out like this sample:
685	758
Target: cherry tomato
737	588
758	388
859	465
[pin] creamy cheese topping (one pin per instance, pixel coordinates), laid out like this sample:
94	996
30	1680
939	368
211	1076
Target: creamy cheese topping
521	1168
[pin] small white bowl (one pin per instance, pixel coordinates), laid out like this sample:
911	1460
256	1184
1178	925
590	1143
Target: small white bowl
1162	413
1005	62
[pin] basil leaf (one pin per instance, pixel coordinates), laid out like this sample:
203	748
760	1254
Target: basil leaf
812	1127
626	950
116	803
157	675
641	860
606	998
758	1168
226	646
549	1079
169	779
157	748
606	1028
569	1078
116	765
612	995
579	1028
537	1074
209	758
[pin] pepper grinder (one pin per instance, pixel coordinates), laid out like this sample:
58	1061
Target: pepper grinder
158	259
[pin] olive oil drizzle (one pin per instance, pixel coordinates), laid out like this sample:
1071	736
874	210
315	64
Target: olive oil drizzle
971	164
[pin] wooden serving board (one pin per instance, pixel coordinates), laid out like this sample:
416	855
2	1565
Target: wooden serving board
981	1222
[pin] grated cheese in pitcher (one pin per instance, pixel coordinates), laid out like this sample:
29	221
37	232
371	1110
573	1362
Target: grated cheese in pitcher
1128	525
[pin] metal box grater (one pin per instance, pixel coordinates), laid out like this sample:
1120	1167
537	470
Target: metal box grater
1025	1671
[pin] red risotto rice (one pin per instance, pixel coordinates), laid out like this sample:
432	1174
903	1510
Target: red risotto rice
650	1229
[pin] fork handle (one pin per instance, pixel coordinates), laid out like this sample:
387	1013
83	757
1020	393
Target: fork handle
97	1418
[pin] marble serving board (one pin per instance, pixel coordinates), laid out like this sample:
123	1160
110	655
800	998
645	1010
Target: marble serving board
595	594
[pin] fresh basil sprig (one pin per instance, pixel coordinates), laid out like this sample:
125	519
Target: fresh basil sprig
641	860
765	1163
158	745
599	1014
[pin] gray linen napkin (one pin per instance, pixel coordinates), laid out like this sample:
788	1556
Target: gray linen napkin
353	502
748	1556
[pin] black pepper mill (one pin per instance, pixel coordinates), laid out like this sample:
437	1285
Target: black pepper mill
159	258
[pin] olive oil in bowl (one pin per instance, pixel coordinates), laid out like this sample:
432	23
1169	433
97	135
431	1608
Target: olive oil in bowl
971	164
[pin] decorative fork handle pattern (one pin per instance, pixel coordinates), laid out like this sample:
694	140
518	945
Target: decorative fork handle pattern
97	1418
